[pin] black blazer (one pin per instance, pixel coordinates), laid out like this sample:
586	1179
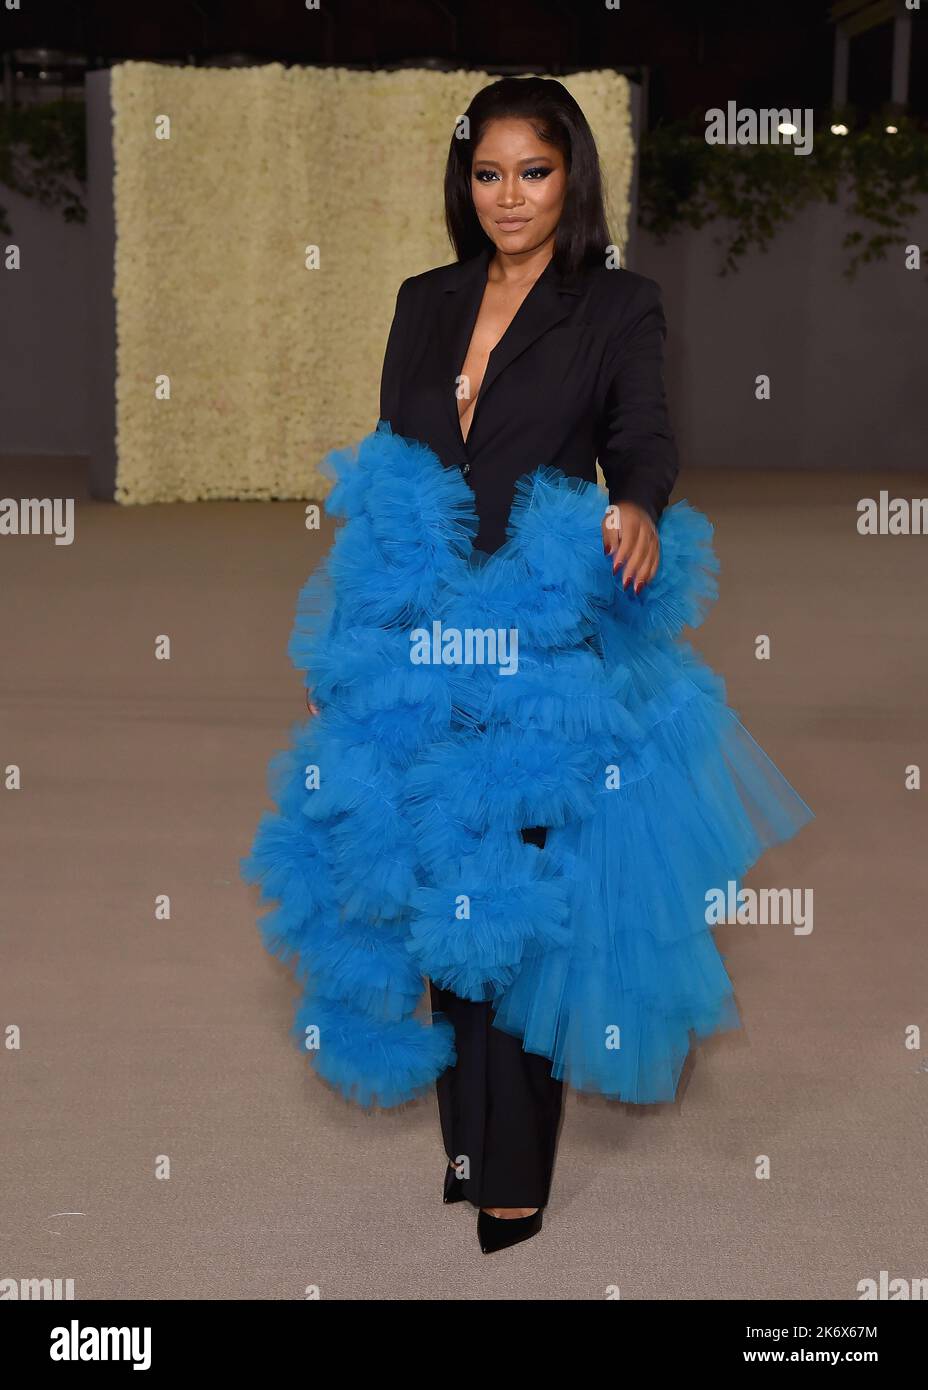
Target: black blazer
577	376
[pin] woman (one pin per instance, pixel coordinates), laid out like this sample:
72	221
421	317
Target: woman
580	953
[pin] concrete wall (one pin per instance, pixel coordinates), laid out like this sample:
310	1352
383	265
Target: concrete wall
847	360
45	333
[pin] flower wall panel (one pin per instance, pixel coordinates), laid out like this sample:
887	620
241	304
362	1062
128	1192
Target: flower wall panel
270	364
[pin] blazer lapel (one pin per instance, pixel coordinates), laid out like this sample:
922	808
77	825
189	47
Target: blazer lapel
457	314
550	299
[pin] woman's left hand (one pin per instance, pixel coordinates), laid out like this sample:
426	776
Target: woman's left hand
630	537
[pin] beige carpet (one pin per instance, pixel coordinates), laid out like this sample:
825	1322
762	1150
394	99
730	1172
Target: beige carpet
143	1038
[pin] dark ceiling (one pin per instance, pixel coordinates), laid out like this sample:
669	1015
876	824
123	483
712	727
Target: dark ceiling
698	53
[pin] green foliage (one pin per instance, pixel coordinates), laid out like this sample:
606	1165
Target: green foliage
755	189
43	155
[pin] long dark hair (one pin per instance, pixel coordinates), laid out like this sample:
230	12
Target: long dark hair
583	232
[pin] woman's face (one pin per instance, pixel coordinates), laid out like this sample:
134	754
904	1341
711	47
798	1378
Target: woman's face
518	183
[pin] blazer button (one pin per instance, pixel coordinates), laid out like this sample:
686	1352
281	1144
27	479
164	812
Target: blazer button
465	469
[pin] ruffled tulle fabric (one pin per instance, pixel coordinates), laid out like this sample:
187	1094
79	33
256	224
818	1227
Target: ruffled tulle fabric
395	849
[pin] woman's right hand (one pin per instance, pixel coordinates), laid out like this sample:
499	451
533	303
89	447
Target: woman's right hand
310	702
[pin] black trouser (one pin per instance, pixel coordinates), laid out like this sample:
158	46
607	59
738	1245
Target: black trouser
499	1105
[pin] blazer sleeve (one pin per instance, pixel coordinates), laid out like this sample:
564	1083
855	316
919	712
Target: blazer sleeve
637	449
395	355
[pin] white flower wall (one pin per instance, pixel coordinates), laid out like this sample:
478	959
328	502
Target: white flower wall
238	367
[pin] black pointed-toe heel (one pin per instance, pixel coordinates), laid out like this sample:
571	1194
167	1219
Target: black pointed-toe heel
454	1186
498	1233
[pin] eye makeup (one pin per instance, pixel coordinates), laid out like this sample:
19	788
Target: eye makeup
536	173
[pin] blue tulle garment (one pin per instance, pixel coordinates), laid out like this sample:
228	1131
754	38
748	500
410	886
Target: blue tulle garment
395	851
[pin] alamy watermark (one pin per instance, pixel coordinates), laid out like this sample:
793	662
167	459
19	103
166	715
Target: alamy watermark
892	516
38	516
86	1343
887	1287
760	907
35	1290
745	126
469	646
